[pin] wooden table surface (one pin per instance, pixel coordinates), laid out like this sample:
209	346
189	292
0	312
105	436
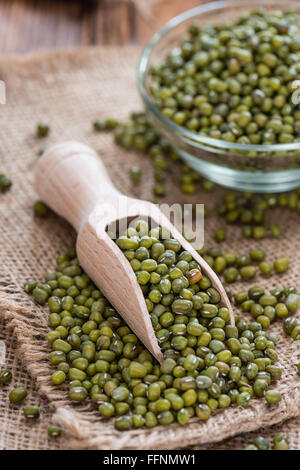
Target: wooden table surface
30	25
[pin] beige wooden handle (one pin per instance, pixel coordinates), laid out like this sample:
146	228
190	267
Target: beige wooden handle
71	179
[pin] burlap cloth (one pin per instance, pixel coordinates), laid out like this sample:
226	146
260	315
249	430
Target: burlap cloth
70	90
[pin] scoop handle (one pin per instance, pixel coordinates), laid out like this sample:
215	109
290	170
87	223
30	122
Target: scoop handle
71	179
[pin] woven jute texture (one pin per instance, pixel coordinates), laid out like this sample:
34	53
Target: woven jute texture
70	90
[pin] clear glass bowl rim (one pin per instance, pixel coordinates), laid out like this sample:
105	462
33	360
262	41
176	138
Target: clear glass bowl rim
190	137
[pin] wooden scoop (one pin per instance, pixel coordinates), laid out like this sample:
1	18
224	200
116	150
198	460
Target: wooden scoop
71	179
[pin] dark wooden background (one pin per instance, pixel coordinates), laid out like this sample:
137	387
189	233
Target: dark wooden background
30	25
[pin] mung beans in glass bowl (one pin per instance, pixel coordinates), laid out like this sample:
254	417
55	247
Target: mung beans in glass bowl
218	82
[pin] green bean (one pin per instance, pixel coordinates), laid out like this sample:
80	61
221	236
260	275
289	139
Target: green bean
31	412
5	377
220	235
272	396
40	209
17	395
43	129
54	431
5	182
281	265
262	443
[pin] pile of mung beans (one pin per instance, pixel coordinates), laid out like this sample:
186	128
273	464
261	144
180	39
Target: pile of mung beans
234	81
208	363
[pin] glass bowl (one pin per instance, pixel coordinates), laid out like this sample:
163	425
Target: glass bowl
257	168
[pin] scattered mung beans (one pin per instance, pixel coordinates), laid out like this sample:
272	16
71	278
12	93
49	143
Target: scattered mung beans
139	135
105	124
249	211
266	308
280	442
234	267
